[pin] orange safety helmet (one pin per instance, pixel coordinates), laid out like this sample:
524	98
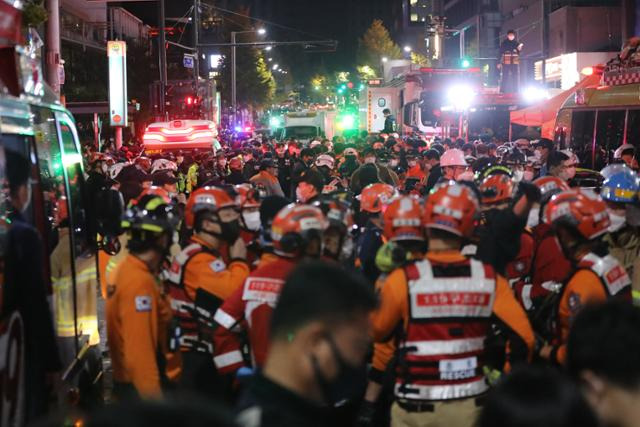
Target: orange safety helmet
374	197
582	210
210	199
451	207
155	191
496	188
248	196
337	212
294	226
550	185
403	219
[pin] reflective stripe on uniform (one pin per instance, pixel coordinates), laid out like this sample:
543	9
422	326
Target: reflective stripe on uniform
228	359
441	392
224	319
435	348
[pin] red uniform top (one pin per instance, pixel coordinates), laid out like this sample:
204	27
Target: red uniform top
518	271
550	266
249	307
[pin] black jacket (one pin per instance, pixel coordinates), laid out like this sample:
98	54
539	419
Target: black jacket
389	124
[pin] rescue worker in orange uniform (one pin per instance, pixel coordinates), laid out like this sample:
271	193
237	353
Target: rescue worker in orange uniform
338	239
137	312
402	228
297	233
580	220
199	281
445	304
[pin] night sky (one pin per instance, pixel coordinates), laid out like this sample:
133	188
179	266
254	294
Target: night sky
328	19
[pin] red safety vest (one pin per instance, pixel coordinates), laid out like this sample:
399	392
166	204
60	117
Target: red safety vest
443	350
613	276
194	316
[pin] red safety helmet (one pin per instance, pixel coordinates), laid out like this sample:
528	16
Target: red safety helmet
144	162
496	188
550	185
294	226
375	196
451	207
154	191
403	219
248	196
211	199
337	212
581	210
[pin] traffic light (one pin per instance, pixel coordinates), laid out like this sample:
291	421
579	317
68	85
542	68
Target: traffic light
343	86
350	85
465	62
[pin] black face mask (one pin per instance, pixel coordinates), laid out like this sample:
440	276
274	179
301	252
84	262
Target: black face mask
230	231
347	385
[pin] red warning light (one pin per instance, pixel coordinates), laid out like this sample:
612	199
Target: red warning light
189	100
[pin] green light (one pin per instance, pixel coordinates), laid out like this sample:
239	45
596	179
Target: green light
466	63
361	87
347	122
274	122
340	90
343	86
316	87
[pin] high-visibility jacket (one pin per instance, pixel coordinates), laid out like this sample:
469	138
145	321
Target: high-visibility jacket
199	280
518	271
445	303
250	308
595	279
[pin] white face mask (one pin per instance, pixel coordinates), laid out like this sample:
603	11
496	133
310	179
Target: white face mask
466	176
618	220
251	220
393	163
518	175
527	175
534	217
370	160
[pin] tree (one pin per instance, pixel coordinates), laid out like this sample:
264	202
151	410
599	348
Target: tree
255	85
375	44
419	59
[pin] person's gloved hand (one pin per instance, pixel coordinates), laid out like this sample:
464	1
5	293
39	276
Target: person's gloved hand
366	414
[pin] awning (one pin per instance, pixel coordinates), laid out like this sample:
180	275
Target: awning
544	112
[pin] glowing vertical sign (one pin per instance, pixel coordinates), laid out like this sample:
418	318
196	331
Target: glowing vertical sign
117	53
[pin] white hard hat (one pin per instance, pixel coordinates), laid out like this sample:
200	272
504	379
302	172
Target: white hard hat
115	170
325	160
313	144
520	142
163	165
453	157
623	147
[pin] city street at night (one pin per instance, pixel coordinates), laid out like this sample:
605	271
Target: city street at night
338	213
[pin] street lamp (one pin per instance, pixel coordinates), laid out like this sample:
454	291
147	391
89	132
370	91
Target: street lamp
385	59
269	59
268	48
234	103
275	67
407	49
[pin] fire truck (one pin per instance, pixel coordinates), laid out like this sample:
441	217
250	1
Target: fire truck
181	135
443	102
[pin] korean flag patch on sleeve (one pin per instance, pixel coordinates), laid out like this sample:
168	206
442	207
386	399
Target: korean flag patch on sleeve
143	303
218	265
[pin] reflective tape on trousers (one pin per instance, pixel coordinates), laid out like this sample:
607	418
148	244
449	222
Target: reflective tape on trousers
440	392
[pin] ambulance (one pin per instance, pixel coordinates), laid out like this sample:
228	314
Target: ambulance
34	124
181	135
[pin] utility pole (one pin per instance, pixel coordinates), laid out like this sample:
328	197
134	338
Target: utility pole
196	63
162	55
233	80
53	45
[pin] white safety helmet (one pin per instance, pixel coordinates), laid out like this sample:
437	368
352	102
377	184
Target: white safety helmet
115	170
314	144
325	160
163	165
618	153
453	157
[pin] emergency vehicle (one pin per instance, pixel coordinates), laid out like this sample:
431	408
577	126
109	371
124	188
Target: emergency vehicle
308	124
180	135
444	102
595	121
33	123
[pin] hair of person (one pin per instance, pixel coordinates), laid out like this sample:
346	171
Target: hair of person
320	291
386	111
604	339
270	207
556	158
535	396
18	170
307	152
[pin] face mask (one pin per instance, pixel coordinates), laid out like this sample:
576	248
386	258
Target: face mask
350	158
229	231
618	220
518	175
528	175
465	176
251	220
347	249
534	217
305	193
370	160
349	382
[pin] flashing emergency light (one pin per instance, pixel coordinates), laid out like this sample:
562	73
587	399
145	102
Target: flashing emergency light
461	96
274	122
535	94
347	121
350	85
238	128
247	128
587	71
189	100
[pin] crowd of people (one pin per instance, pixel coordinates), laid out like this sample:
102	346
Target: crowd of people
375	281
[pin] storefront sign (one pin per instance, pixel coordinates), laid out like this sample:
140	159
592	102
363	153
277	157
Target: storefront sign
117	53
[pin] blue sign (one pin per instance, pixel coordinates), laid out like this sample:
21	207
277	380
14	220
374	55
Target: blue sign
187	61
